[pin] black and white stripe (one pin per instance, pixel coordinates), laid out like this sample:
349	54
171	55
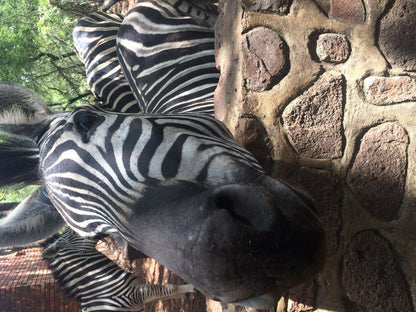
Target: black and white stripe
123	155
96	281
94	39
166	49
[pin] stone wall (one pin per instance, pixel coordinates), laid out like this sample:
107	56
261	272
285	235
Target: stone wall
324	94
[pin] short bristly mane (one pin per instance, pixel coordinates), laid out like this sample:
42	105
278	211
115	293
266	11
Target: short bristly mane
22	114
19	105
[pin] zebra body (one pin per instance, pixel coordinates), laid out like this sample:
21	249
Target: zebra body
96	281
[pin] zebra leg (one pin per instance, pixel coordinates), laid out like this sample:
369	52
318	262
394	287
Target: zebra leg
97	282
149	293
33	219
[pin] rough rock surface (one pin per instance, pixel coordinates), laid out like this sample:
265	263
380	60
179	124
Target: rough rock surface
265	58
350	11
378	173
302	298
333	48
398	35
326	191
272	6
313	121
389	90
251	134
372	278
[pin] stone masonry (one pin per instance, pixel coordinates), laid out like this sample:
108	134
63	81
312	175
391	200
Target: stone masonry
341	121
323	92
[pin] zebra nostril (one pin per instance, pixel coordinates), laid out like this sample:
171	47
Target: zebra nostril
226	201
247	204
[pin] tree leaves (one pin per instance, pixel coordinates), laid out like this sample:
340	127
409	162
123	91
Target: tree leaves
36	51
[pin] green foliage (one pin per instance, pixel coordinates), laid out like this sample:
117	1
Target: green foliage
16	196
37	52
18	39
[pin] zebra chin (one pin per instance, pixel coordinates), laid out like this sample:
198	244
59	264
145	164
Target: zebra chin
239	243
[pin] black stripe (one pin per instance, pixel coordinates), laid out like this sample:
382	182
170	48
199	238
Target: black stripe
172	159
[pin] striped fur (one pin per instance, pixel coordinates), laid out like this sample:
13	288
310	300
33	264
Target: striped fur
126	154
97	282
168	57
94	38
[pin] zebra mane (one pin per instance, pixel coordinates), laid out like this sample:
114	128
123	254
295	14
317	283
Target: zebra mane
19	160
21	106
202	10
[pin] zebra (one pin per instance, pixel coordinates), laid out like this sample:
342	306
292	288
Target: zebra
107	4
175	186
94	44
96	281
94	39
180	190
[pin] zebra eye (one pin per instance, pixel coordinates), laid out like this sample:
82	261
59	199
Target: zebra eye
86	123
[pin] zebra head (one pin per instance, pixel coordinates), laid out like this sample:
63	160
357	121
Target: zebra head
180	190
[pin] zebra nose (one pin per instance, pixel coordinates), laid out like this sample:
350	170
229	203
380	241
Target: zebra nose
249	205
295	205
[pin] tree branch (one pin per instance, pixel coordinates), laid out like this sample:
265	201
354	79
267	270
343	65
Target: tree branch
52	56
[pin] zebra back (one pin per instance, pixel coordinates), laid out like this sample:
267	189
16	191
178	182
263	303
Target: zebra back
166	50
94	39
205	11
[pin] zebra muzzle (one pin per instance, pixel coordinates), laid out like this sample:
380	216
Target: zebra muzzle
246	243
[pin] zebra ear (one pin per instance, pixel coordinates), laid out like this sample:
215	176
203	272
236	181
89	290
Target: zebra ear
33	219
20	106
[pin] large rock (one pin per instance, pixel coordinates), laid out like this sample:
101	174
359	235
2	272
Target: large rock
265	56
349	11
378	173
313	122
397	35
372	277
332	48
389	90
